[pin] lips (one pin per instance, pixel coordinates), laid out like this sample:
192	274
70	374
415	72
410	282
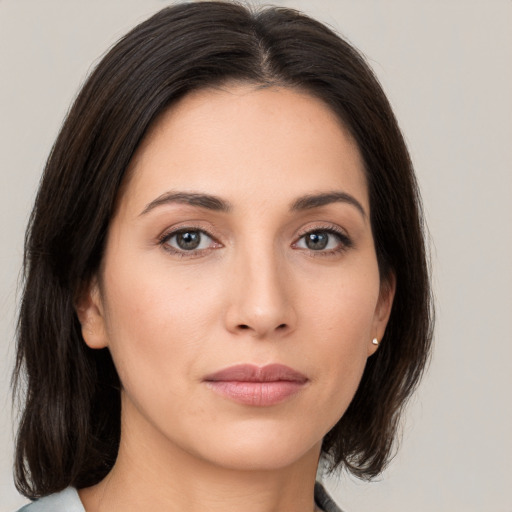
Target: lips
257	386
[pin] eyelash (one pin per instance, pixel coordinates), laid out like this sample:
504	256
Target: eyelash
168	235
344	241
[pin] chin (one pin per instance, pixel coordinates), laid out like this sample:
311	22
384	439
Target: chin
262	450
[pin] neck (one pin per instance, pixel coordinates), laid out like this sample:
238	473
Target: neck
153	474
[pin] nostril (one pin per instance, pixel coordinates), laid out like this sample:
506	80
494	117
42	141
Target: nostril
279	327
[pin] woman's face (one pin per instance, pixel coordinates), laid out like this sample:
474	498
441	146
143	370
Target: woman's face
242	237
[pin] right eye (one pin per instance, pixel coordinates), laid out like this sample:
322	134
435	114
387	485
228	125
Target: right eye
188	241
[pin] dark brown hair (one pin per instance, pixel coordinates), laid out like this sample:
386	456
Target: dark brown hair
70	425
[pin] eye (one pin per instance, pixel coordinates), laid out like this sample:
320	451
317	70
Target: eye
323	240
187	240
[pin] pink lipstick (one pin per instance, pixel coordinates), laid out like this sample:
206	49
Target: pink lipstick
258	386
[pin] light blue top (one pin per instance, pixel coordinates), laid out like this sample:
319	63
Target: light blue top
64	501
69	501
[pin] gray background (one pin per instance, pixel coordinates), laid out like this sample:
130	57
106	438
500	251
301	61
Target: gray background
446	67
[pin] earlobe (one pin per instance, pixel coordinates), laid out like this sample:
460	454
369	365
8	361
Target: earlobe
89	309
382	312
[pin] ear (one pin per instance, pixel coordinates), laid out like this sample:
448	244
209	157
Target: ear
382	311
90	311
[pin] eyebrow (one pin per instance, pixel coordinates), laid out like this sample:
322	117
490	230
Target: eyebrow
215	203
191	198
311	201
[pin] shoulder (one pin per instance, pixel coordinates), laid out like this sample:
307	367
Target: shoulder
323	500
64	501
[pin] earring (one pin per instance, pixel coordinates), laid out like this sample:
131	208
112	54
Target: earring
375	341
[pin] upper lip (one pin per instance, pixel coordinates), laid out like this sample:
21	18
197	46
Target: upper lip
254	373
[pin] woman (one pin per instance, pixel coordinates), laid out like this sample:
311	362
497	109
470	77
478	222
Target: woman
225	275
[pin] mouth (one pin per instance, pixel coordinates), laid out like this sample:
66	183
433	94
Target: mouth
257	386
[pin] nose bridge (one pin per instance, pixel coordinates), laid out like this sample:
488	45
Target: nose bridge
260	301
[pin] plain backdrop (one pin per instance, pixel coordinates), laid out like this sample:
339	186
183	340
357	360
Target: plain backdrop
446	67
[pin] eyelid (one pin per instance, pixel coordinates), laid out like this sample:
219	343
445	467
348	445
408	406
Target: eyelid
345	240
176	230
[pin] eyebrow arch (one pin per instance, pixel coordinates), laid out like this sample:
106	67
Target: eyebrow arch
310	201
190	198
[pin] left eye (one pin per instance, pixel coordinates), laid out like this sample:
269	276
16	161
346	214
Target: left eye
189	240
319	241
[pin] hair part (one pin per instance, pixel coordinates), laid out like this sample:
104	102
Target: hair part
70	427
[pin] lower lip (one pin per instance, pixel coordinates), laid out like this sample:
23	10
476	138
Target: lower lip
260	394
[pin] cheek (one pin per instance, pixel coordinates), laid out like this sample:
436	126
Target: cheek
340	321
343	305
156	326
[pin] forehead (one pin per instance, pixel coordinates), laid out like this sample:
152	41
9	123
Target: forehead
245	141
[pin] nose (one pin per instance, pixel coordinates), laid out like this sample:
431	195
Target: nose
260	300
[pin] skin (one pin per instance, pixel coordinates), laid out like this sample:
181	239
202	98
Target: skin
254	292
